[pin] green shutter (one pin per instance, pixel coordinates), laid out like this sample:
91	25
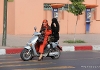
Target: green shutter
10	0
48	7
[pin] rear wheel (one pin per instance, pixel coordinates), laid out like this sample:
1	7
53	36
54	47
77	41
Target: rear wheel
56	56
26	55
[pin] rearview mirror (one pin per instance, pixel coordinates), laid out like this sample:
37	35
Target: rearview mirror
35	28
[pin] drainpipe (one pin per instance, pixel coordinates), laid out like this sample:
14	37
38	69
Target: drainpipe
67	17
4	24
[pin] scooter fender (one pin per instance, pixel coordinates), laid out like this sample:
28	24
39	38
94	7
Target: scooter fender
27	47
34	51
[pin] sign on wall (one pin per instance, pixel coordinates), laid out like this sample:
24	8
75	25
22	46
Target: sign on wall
55	13
88	15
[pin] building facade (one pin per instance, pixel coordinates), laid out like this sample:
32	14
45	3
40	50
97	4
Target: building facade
24	15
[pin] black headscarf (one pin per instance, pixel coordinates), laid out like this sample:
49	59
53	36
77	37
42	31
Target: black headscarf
55	29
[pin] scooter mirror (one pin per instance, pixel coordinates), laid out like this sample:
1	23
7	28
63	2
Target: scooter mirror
35	28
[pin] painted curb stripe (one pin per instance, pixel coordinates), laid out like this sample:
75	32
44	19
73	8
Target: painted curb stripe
68	48
96	47
2	51
13	50
83	48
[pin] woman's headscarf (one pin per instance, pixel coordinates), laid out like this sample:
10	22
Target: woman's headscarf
47	26
55	29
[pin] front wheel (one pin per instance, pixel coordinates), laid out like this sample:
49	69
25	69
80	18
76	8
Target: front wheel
26	55
56	56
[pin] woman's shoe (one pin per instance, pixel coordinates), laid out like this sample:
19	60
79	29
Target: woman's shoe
40	59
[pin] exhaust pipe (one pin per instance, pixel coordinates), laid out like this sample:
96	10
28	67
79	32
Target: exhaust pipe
53	53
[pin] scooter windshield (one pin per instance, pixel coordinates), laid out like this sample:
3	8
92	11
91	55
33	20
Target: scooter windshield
33	39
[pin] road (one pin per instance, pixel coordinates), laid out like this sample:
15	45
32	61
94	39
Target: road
77	60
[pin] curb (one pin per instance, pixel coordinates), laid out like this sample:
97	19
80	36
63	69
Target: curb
64	48
81	48
10	51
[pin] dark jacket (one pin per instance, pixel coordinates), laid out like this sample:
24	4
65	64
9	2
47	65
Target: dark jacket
55	30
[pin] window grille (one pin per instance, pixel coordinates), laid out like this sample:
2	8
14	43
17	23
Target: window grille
48	7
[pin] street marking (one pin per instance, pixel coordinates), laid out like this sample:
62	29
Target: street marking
49	68
19	62
12	65
10	62
90	66
2	56
5	58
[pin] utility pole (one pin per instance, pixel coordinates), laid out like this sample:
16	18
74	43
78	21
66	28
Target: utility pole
4	24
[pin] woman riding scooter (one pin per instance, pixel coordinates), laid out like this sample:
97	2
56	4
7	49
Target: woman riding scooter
55	29
46	31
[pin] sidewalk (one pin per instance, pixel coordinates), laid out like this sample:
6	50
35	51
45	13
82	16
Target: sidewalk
17	42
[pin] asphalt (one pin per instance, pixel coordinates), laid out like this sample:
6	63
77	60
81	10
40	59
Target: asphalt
19	41
78	60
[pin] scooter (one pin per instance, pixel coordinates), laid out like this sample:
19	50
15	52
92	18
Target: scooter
52	49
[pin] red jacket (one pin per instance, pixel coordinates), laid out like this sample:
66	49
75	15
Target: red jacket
42	46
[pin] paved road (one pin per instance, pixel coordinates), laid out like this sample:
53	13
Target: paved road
77	60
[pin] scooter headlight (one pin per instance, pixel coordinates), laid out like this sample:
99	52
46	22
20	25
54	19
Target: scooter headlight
31	45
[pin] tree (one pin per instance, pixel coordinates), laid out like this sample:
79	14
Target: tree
4	24
77	7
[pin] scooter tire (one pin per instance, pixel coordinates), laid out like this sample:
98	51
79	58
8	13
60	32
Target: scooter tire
23	53
56	57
